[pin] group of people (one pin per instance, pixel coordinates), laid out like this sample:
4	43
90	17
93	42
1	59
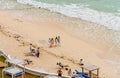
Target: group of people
70	73
61	66
54	42
34	52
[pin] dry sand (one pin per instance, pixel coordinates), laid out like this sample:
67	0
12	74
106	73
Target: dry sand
17	33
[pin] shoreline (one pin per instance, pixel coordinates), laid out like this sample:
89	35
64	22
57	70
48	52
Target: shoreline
33	32
75	27
107	19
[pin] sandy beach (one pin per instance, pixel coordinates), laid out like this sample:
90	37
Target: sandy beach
17	32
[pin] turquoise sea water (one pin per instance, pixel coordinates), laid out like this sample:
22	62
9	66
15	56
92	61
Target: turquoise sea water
104	12
111	6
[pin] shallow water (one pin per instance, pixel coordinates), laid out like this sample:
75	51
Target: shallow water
104	12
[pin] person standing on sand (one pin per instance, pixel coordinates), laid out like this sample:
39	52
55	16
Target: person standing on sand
49	42
59	40
69	72
59	73
81	62
30	47
56	41
52	43
37	52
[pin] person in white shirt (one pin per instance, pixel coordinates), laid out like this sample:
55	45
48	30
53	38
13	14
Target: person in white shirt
81	62
74	75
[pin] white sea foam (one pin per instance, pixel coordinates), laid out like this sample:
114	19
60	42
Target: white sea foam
109	20
118	13
6	4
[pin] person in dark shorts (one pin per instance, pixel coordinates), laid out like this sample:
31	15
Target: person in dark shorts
38	52
81	62
59	73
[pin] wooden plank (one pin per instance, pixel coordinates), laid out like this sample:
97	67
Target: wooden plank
90	67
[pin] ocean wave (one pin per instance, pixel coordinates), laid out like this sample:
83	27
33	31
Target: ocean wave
109	20
5	4
118	13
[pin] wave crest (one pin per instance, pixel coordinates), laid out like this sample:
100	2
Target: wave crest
109	20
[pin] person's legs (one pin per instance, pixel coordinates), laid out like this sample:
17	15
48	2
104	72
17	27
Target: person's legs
38	55
59	75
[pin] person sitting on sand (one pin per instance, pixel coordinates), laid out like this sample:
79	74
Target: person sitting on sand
28	61
59	73
33	52
81	62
